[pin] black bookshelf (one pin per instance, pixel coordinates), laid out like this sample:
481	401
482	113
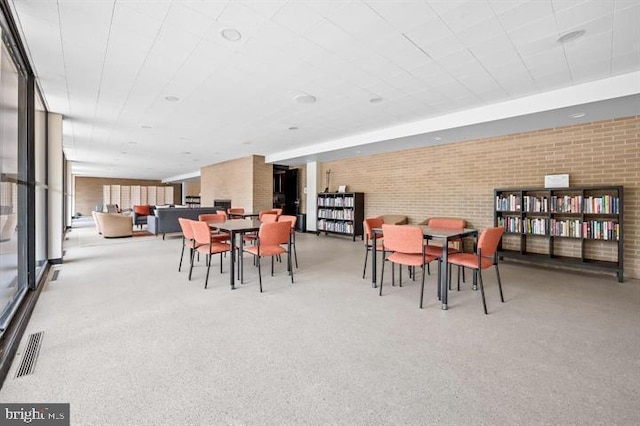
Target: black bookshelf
551	217
341	213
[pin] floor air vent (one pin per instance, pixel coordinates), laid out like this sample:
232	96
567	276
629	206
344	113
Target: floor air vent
30	356
54	277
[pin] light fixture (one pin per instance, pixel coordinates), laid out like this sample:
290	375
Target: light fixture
146	126
172	98
305	98
376	100
231	34
437	138
570	36
246	143
293	128
577	115
186	153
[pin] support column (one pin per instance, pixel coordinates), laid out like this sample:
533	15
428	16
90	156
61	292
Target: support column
313	178
56	194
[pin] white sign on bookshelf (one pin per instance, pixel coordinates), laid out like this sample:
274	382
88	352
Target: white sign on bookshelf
556	181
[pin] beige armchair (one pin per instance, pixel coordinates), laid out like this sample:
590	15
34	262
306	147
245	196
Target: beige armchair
114	225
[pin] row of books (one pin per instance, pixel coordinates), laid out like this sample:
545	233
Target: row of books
605	204
565	228
343	227
592	229
336	201
336	214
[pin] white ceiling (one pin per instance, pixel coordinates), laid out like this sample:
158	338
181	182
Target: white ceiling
438	66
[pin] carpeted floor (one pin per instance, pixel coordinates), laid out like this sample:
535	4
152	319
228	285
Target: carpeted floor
128	340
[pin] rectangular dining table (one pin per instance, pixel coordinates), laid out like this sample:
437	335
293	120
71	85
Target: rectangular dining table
246	215
236	227
444	235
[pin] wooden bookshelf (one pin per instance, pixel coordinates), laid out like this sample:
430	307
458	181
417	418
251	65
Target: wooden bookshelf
341	213
563	226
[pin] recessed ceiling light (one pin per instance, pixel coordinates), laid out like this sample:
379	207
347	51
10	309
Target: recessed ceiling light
437	138
123	152
358	151
186	153
246	143
132	142
172	98
146	126
231	34
293	128
305	99
376	100
577	115
570	36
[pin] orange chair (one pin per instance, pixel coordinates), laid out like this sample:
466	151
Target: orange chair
215	218
206	246
268	244
188	240
292	220
371	223
223	213
407	244
263	212
436	250
485	257
234	211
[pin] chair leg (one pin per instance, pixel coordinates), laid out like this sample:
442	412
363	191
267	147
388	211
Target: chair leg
220	262
422	288
259	272
464	279
193	252
366	255
499	283
484	303
382	274
295	253
459	267
181	255
400	269
272	261
439	276
206	280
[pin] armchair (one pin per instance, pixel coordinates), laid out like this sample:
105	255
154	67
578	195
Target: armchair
114	225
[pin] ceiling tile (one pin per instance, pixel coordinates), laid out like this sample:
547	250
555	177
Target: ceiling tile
524	13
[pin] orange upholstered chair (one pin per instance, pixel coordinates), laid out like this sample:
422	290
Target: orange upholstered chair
271	236
370	224
436	250
233	211
206	246
407	244
188	239
485	257
292	220
215	218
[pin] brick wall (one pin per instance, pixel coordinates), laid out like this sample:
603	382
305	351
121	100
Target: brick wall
88	191
247	182
458	179
262	184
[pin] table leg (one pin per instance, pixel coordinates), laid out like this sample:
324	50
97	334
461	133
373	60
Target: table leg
241	260
444	275
374	256
232	259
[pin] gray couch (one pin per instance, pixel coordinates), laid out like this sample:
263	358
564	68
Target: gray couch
165	221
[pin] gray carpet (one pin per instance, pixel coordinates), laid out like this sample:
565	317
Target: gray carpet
128	340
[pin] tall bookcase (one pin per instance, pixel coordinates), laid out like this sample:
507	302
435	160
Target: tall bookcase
577	227
341	213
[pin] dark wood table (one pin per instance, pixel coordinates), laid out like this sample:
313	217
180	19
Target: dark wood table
236	227
444	235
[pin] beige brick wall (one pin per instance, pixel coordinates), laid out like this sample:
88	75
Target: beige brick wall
458	179
192	187
262	184
247	182
88	190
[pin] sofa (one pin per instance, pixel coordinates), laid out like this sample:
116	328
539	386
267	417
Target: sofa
113	225
165	220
